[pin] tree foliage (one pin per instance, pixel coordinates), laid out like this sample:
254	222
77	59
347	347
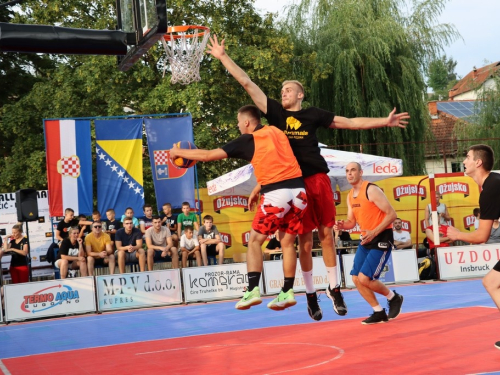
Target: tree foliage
442	76
362	58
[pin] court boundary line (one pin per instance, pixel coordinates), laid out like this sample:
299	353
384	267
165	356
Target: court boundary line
4	368
218	333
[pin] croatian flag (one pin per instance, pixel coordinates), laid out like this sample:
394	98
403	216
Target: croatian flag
69	166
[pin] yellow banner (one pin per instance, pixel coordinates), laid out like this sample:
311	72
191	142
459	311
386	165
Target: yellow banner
409	199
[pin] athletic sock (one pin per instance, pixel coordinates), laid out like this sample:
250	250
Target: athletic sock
390	295
377	308
308	280
253	280
332	277
288	284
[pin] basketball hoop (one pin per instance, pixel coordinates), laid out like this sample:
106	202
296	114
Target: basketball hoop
185	46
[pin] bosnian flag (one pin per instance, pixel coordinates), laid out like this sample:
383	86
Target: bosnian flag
69	166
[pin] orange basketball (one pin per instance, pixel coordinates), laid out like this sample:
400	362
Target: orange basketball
181	162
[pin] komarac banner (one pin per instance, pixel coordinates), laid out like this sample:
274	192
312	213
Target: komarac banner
139	289
463	262
49	298
215	282
273	276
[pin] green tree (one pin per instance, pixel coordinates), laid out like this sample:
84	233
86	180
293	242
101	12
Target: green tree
442	77
361	58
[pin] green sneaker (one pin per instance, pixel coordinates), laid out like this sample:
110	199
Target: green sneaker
283	301
249	299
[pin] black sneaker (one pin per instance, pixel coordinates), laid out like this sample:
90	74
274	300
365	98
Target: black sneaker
376	317
395	305
339	305
497	345
312	306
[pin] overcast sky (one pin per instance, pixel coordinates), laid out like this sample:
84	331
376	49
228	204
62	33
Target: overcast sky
476	20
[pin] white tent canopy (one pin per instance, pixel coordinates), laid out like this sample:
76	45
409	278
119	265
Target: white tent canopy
242	180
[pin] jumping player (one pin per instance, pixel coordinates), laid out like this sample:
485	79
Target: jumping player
368	206
478	165
283	198
300	126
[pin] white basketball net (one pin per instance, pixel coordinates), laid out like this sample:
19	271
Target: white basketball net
184	53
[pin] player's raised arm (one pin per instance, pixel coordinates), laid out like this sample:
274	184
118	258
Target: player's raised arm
219	52
197	154
360	123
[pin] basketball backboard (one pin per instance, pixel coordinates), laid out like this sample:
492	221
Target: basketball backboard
144	21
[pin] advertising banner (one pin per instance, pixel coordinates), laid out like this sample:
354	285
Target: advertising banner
273	276
49	298
40	231
211	283
461	262
139	289
405	265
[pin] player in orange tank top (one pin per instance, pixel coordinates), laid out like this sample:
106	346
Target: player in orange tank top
368	206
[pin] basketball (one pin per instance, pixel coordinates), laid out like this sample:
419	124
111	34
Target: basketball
181	162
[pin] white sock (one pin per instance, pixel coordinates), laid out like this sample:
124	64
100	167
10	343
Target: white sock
390	295
377	308
308	280
332	276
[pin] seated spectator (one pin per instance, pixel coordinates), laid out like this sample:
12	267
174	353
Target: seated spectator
69	221
187	218
272	246
71	255
17	246
112	225
159	244
129	246
146	221
444	241
190	247
169	220
477	215
402	238
129	212
495	233
99	248
210	241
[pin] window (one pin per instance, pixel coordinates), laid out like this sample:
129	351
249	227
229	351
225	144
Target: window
457	166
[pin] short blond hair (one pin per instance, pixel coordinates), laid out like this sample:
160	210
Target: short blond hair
295	82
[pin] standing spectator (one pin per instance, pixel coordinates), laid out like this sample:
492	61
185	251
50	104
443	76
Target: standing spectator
17	246
112	225
186	218
169	220
69	221
210	241
190	247
441	209
477	215
71	250
146	221
84	226
129	246
402	238
129	212
159	244
99	249
495	233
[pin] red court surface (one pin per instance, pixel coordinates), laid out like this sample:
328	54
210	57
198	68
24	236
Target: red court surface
456	341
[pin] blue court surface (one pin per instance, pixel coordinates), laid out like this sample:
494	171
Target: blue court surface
108	329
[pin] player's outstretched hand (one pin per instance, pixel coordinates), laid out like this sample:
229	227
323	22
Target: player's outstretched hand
397	119
339	225
215	49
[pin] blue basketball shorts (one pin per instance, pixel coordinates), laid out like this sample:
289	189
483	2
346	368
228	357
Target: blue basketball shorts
370	262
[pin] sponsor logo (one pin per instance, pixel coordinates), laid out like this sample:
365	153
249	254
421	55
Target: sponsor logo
217	281
245	237
385	169
472	260
454	187
226	238
355	230
49	298
409	190
230	202
469	221
292	129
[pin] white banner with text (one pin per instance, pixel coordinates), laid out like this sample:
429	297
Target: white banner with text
463	262
138	289
274	279
49	298
211	283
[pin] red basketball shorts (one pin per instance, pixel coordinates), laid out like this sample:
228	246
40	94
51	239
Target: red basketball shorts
320	205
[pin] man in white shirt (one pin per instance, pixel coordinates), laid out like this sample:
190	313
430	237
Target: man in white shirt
402	238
